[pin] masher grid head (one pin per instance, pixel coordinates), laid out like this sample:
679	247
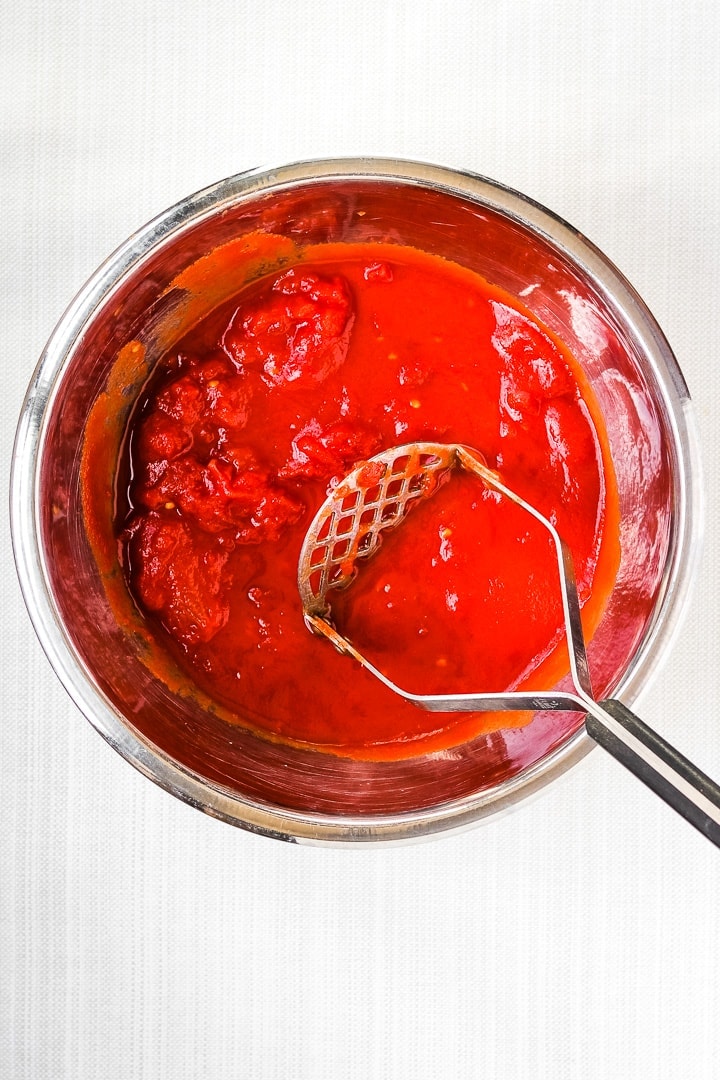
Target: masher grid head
374	497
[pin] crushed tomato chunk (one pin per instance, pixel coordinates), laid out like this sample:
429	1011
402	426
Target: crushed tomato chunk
300	332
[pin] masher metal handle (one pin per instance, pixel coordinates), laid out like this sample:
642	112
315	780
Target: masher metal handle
612	725
658	764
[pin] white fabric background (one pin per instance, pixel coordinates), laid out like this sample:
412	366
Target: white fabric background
576	937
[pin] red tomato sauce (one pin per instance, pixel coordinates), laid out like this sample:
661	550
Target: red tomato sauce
279	393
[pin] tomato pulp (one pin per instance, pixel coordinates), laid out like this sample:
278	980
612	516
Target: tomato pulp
269	401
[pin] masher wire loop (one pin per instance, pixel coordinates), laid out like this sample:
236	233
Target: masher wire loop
376	496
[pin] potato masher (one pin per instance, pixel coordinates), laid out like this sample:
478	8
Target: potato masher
376	496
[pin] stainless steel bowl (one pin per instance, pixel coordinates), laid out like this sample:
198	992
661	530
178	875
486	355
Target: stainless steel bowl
63	540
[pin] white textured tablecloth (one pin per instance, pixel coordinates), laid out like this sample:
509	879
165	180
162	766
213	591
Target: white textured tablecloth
577	937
